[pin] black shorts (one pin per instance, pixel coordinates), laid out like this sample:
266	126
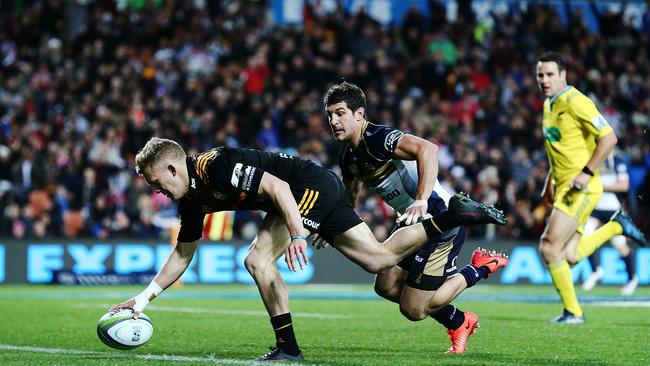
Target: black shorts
324	205
430	266
602	215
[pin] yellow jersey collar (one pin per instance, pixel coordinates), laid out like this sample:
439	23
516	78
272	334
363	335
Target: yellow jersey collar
554	98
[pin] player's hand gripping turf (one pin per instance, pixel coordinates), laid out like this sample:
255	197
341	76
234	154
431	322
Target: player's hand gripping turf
129	304
318	241
413	213
297	249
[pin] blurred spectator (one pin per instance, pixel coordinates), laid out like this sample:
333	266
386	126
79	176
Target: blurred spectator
84	84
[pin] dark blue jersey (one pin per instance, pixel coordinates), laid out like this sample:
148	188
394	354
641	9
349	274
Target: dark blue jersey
395	180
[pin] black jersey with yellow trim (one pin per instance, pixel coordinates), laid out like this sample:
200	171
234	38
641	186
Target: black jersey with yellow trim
227	178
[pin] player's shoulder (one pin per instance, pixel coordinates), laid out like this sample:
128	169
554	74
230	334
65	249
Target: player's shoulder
575	98
381	136
205	161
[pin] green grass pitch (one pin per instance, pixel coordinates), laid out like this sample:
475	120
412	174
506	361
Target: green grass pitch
335	325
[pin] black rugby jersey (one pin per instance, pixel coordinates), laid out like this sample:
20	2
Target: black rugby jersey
228	178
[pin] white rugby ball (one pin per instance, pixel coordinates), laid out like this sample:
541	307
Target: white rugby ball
118	329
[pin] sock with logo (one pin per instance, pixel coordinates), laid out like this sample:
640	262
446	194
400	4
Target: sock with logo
473	275
440	223
449	316
561	275
590	242
285	339
628	266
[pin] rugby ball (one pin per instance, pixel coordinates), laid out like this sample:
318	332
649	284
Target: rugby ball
118	329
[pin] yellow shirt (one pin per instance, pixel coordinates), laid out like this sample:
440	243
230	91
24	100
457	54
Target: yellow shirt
571	126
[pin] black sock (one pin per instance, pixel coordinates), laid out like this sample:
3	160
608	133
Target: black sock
473	275
628	266
441	223
285	339
593	262
449	316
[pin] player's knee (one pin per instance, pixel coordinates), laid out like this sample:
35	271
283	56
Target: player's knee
377	265
413	313
254	263
547	250
385	291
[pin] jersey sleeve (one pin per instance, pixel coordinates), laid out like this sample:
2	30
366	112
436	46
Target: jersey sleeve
191	222
584	110
383	142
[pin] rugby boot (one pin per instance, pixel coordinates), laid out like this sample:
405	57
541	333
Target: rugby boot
490	259
567	317
629	227
276	354
459	337
471	212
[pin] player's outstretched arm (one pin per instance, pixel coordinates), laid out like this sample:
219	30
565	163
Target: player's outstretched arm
279	192
171	271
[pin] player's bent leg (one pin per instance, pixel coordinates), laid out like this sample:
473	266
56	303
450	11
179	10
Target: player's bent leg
560	230
447	292
390	283
360	246
269	244
414	303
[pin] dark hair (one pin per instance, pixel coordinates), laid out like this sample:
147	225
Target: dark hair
553	57
351	94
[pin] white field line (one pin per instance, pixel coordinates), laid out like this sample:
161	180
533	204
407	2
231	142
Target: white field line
192	310
111	355
620	304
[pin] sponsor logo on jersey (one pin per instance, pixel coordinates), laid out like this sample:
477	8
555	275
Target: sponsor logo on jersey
391	140
311	223
236	175
248	175
193	183
418	258
552	134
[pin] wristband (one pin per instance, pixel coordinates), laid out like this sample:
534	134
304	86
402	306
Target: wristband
587	171
144	298
295	237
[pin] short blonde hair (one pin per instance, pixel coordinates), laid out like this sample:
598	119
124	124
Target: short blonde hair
156	151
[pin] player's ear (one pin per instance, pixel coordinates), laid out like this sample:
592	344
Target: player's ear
359	113
563	75
171	169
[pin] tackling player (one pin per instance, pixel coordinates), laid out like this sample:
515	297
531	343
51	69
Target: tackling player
403	170
578	139
299	197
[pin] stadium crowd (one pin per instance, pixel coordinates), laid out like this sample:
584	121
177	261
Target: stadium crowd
84	84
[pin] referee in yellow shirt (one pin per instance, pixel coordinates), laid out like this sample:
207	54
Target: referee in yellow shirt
578	139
